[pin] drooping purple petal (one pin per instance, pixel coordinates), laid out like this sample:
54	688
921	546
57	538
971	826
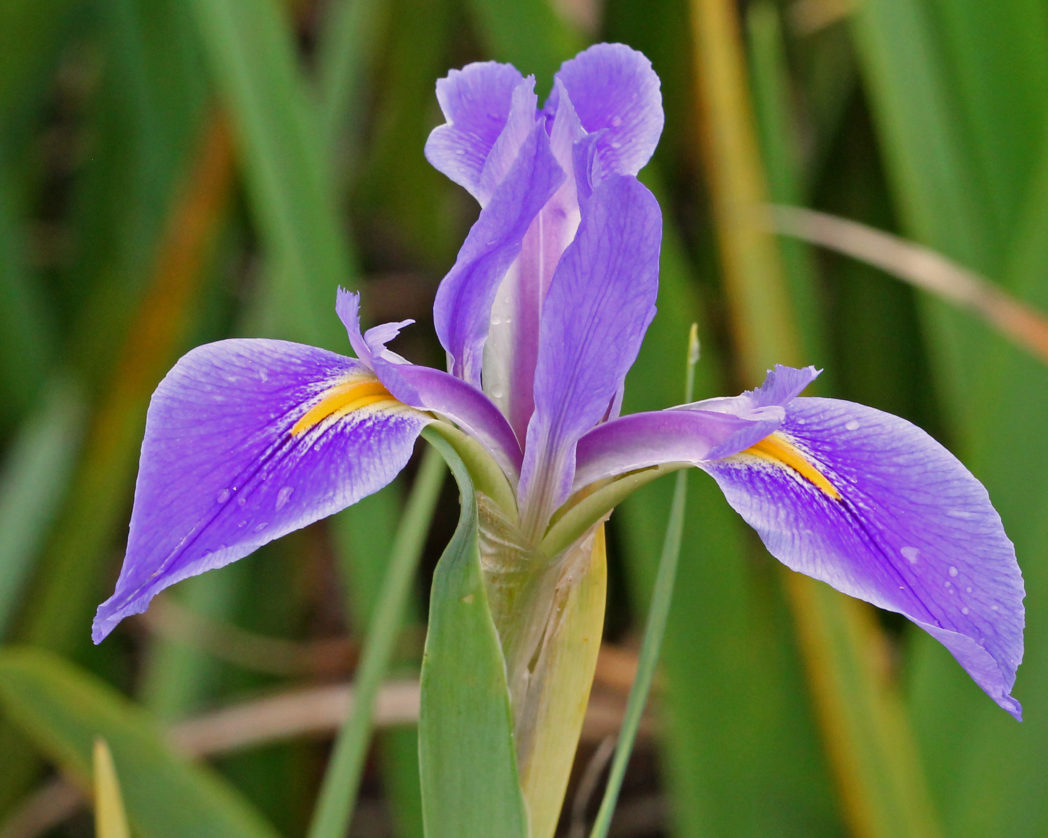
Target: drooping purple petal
599	305
462	309
615	92
477	102
233	458
912	530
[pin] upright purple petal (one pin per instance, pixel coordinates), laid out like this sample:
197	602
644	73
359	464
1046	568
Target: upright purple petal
462	309
616	94
899	522
477	102
599	305
512	345
247	440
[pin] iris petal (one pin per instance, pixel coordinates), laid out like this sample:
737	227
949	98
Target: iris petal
615	92
678	435
477	102
599	305
247	440
430	389
462	309
912	531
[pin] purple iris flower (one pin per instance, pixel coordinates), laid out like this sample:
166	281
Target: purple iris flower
542	316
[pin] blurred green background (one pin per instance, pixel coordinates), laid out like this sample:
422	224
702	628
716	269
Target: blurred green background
177	171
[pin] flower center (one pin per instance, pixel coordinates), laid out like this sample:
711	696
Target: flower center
341	399
776	448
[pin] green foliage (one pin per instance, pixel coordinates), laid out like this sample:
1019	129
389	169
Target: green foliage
466	754
64	710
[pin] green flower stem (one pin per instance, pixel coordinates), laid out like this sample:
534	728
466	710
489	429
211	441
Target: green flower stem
658	614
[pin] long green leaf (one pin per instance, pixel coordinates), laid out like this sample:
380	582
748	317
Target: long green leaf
335	806
64	709
467	757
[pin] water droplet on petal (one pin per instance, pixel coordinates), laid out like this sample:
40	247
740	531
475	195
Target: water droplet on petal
965	611
283	496
223	496
261	526
911	554
852	424
953	570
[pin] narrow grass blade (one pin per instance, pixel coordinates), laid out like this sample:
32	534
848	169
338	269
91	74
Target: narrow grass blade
347	44
342	778
467	757
110	817
38	464
249	46
655	628
780	151
63	710
27	328
550	42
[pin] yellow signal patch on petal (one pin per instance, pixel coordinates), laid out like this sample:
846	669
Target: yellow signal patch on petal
337	401
776	448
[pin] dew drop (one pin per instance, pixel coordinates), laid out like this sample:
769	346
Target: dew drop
852	424
283	496
242	523
261	526
241	501
953	570
965	610
615	121
911	554
223	496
